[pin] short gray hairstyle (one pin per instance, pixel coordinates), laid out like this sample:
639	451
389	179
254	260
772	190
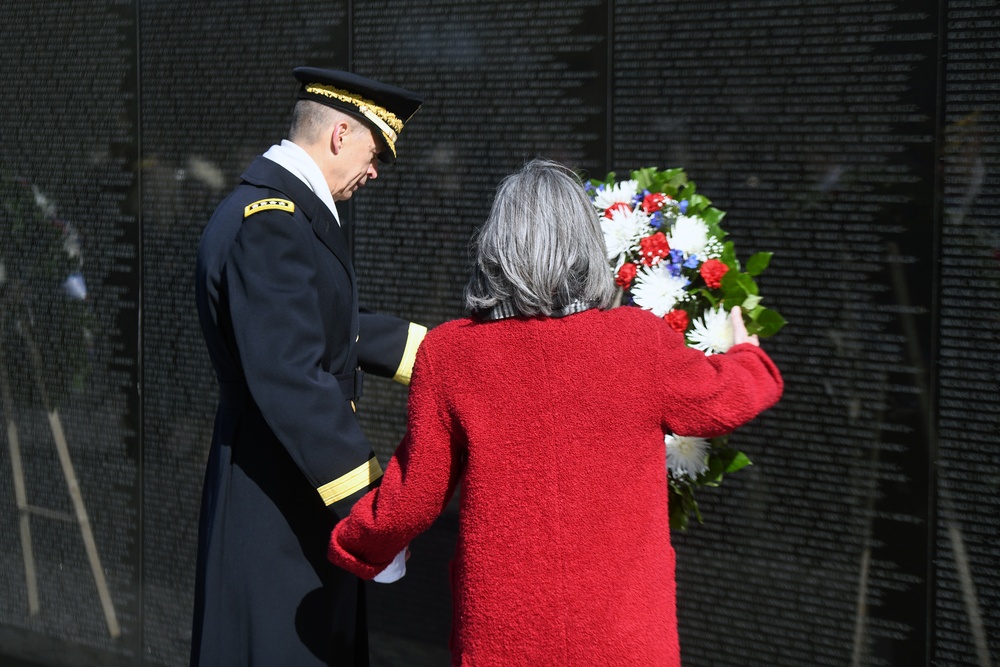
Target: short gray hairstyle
542	248
310	119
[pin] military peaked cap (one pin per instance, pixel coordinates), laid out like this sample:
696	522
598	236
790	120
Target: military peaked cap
383	107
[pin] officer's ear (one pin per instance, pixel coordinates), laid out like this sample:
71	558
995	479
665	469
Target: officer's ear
340	131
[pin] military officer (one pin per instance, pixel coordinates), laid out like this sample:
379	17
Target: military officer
277	298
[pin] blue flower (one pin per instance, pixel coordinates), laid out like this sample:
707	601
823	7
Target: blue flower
588	187
656	220
684	205
691	262
674	269
676	256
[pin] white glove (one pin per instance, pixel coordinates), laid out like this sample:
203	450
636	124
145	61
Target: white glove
395	570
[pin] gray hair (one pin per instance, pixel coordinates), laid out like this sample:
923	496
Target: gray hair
311	119
541	249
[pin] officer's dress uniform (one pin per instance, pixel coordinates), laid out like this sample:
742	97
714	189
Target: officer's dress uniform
278	301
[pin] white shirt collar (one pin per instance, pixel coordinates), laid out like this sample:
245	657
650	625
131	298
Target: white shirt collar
294	158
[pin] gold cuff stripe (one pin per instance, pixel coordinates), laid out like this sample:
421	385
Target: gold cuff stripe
359	478
269	205
415	336
384	119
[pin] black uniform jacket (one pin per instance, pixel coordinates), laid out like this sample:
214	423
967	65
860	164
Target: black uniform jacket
278	303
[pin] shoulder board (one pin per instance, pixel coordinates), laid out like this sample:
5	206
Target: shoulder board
269	205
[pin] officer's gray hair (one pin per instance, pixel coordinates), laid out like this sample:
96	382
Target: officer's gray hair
311	119
541	249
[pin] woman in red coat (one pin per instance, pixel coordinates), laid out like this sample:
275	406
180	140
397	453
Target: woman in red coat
550	409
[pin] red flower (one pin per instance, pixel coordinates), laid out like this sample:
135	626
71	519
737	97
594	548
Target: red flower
625	275
654	201
712	271
653	247
678	320
617	206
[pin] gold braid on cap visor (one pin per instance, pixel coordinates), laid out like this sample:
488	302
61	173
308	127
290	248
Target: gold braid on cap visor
384	120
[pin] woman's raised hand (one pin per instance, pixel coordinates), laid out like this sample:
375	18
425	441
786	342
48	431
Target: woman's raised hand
740	329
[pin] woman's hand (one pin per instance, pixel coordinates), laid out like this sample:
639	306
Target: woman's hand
740	330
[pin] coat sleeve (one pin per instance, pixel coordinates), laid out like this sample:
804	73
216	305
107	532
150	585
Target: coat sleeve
707	396
278	325
419	480
388	345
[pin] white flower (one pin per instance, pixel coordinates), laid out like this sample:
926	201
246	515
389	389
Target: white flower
658	291
712	333
608	196
713	249
44	204
622	231
689	234
71	241
686	456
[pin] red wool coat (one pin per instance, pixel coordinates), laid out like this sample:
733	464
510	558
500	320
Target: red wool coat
555	429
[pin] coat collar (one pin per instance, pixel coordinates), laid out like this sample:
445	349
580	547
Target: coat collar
265	173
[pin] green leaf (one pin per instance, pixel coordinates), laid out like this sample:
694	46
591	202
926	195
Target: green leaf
675	178
698	204
646	178
678	518
748	284
750	303
717	232
686	193
713	216
673	181
729	257
739	462
608	180
720	442
758	262
770	322
682	505
708	296
732	291
712	476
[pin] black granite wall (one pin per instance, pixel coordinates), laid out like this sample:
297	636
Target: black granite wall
857	140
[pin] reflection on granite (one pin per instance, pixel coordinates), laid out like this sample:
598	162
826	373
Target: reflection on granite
387	650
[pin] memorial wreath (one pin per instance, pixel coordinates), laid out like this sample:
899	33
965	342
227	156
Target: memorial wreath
668	255
47	321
